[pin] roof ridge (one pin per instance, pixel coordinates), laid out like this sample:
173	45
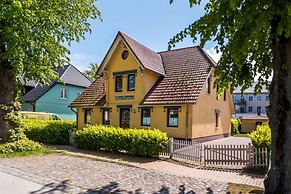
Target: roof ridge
82	73
178	49
122	34
66	67
147	58
207	56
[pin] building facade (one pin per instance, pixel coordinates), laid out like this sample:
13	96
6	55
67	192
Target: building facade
250	104
171	91
56	97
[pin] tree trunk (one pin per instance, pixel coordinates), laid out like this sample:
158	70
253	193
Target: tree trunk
278	179
8	96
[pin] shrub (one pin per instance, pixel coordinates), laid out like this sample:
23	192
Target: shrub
139	142
235	123
261	137
50	132
22	145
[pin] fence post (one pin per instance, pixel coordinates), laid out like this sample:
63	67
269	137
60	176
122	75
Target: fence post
171	146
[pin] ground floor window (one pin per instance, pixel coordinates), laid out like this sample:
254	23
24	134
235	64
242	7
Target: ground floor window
216	119
87	119
145	117
172	117
106	119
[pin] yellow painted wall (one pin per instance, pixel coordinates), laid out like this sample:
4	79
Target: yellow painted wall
158	120
201	116
250	125
203	120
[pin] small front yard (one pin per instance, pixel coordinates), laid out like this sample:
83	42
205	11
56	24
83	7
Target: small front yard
233	188
241	135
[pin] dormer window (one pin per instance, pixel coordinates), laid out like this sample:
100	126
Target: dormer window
131	82
118	83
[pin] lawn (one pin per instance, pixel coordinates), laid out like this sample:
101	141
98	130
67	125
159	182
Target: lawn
241	135
37	152
233	188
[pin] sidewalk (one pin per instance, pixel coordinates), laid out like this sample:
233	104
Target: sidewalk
169	167
12	184
82	171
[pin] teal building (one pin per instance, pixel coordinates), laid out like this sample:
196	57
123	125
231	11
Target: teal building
56	97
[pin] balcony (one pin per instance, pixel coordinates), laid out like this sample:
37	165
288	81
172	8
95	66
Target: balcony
240	102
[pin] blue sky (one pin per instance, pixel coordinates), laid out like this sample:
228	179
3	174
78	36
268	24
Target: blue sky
152	23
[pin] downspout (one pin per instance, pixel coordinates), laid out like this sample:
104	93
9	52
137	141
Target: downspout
186	127
33	106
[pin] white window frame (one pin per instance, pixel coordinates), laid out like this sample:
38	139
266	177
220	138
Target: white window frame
64	94
145	121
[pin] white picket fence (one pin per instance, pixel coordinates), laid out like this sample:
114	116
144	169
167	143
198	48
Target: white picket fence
220	155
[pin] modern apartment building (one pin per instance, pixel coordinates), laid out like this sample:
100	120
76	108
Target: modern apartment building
248	103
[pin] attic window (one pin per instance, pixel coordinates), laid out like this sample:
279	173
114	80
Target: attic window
124	55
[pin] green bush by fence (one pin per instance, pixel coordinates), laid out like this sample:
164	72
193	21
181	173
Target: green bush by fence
139	142
22	145
261	137
50	132
235	123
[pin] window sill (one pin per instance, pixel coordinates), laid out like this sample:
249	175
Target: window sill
145	127
172	127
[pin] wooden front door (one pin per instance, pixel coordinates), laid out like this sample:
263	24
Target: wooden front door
124	118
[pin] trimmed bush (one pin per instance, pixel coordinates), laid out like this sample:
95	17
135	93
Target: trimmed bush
235	123
50	132
261	137
138	142
22	145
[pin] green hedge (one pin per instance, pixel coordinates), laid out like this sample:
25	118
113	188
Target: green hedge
139	142
50	132
235	123
22	145
261	137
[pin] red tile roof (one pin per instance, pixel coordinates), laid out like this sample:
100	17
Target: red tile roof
147	58
183	75
94	95
187	70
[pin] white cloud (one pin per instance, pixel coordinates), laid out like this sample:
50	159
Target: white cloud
215	56
82	61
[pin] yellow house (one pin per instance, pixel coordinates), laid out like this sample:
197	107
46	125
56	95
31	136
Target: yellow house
250	123
171	91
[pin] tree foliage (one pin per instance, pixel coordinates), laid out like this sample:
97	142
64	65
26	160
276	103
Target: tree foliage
33	34
254	38
242	31
91	71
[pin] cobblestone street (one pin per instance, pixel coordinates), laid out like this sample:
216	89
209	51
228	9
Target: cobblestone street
82	175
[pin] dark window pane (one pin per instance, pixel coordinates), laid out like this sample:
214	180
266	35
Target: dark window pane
87	116
106	120
172	117
118	83
145	117
131	82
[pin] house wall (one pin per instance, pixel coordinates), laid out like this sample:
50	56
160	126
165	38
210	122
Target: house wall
158	120
51	101
249	125
201	116
204	117
27	107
